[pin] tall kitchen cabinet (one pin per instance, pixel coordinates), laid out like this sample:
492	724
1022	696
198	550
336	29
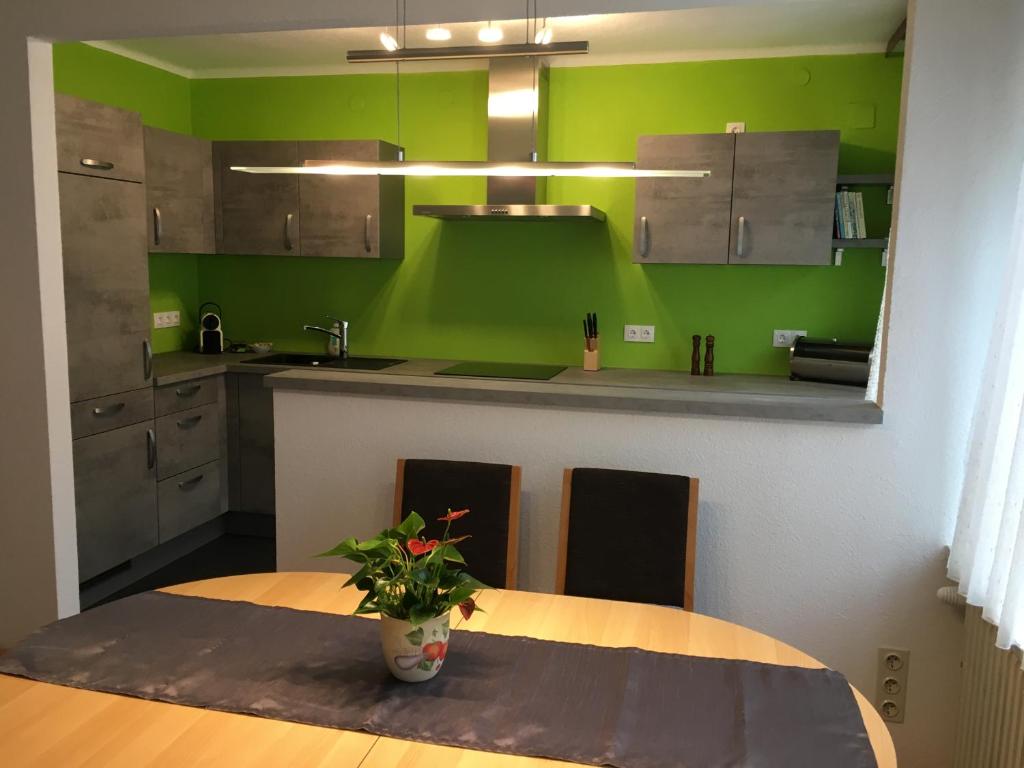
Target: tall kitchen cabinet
321	216
770	199
106	295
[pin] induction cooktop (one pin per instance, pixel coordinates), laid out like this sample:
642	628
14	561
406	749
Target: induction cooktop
503	371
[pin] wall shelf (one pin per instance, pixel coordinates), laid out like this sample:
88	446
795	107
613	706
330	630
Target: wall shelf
861	242
866	180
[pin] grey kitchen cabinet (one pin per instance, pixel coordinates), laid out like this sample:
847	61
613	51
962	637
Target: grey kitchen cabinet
684	221
179	192
101	414
351	216
188	439
256	214
106	285
189	499
250	419
98	140
783	203
115	496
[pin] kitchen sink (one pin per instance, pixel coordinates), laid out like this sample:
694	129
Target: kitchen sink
298	360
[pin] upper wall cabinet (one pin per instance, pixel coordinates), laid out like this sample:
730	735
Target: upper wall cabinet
684	221
179	192
291	215
769	200
783	198
98	140
257	214
351	216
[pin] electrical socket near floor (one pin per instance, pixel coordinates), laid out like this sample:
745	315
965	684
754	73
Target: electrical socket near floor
166	319
640	333
785	338
893	674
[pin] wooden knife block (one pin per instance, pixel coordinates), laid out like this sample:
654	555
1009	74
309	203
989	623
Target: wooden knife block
592	359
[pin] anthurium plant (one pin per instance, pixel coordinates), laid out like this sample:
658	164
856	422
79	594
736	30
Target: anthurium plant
408	577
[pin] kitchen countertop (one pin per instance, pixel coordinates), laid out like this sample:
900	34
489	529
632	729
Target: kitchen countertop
619	389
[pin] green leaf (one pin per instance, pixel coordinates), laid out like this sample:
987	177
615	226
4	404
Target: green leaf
452	554
416	636
459	594
344	549
411	526
421	613
358	576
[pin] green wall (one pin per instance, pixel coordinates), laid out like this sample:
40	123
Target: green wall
164	100
517	291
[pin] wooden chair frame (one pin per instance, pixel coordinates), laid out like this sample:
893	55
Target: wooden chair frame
515	489
691	539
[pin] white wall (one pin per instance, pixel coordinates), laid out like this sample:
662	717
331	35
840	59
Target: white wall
829	537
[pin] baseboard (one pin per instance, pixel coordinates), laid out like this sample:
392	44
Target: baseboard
116	579
251	524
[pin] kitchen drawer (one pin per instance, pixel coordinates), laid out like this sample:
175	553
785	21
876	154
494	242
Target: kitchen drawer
187	439
189	499
172	398
90	417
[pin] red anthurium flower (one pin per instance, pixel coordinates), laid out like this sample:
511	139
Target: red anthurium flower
420	547
453	515
467	607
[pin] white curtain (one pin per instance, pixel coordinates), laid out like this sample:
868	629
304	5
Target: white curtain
987	555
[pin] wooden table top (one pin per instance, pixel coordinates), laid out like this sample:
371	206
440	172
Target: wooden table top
48	725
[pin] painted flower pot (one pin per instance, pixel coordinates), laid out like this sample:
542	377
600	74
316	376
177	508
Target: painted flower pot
414	654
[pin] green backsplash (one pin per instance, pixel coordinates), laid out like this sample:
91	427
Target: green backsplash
517	291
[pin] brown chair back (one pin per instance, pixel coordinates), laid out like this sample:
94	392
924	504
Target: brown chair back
491	491
628	536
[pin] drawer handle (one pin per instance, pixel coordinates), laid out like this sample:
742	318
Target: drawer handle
188	391
190	422
108	410
99	165
150	449
192	482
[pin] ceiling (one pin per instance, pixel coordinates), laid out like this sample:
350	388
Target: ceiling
797	27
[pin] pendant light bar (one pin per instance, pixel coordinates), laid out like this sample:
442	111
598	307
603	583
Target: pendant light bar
474	168
442	53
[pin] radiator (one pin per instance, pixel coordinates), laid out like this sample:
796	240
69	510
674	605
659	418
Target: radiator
990	732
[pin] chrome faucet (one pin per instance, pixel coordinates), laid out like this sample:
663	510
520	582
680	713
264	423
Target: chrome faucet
342	337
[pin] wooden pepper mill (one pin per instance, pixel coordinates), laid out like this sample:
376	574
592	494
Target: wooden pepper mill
695	357
709	357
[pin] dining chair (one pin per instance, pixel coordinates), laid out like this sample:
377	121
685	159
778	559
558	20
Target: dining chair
628	536
431	487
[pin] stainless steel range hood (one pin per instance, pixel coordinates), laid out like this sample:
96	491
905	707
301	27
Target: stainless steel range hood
517	94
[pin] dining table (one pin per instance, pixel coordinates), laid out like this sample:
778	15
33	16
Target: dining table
43	724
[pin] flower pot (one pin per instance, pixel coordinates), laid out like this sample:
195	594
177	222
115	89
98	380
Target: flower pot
414	654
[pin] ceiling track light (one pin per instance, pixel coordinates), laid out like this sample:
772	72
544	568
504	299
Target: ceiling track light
389	42
544	34
490	34
439	34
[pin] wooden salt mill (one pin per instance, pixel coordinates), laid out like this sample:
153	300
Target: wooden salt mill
709	357
695	357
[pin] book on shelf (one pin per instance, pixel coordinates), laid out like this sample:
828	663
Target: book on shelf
849	223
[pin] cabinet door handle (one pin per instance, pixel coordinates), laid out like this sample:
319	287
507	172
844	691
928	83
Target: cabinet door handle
150	449
645	237
288	231
190	422
108	410
188	391
190	483
741	225
366	232
147	359
99	165
158	225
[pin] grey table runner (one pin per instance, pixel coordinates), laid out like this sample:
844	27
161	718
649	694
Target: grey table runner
620	707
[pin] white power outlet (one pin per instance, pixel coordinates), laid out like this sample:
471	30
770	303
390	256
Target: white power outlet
785	338
735	127
640	333
166	319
